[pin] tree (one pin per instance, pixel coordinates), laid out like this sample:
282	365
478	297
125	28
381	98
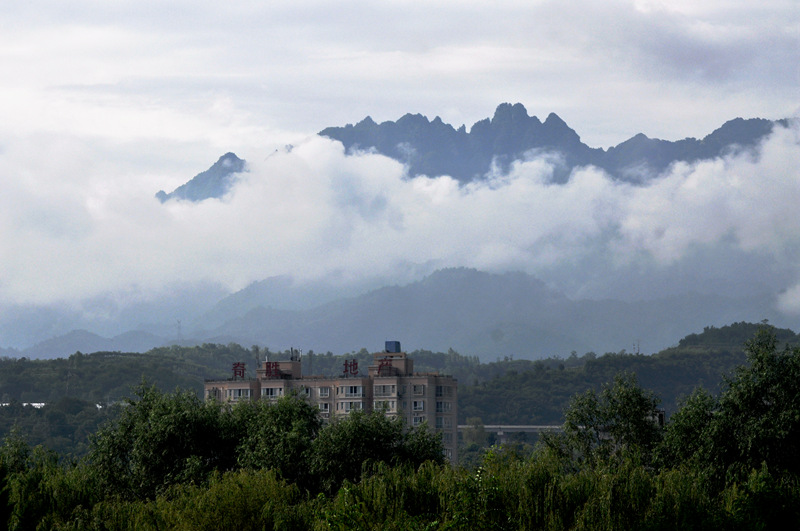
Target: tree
278	436
5	508
344	447
758	420
420	445
160	440
623	418
685	437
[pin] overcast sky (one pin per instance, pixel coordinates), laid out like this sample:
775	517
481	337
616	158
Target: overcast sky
104	103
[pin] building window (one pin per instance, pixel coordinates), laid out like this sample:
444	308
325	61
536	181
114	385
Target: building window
444	423
324	407
351	391
444	407
271	392
384	390
238	394
418	420
447	438
324	392
418	390
444	391
419	405
354	391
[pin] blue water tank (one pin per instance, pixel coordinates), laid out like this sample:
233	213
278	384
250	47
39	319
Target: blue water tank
393	346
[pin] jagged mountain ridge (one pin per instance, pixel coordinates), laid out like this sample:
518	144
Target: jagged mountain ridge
212	183
435	148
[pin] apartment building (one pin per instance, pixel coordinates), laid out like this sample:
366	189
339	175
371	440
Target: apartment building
390	385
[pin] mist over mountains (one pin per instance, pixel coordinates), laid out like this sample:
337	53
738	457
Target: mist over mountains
512	238
479	313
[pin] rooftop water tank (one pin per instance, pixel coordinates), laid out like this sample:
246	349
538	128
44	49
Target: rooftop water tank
393	347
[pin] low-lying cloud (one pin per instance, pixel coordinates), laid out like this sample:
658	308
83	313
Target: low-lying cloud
74	229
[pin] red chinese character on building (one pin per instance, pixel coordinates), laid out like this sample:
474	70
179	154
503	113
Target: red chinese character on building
351	367
238	370
384	366
272	370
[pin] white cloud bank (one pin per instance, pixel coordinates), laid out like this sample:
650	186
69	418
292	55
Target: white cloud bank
73	228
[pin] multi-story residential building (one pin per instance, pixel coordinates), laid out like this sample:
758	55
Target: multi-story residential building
390	385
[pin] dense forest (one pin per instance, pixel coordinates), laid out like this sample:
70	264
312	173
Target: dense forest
168	460
78	391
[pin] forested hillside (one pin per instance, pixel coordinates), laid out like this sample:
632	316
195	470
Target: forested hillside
507	391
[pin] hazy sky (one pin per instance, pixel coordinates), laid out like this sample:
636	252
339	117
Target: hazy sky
104	103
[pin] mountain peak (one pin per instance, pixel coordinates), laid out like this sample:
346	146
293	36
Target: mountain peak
413	119
507	112
555	120
214	182
366	122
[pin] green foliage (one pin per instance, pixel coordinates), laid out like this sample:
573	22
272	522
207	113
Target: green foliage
734	336
621	420
685	438
38	491
171	461
278	436
393	498
756	419
73	388
160	440
63	426
762	501
106	377
522	391
347	447
536	392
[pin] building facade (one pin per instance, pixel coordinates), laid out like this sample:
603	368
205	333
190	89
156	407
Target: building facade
390	385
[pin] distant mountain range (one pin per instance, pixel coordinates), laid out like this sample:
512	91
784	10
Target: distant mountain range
485	314
473	312
435	148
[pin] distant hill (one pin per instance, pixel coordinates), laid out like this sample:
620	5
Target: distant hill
538	392
486	315
83	341
214	182
435	148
